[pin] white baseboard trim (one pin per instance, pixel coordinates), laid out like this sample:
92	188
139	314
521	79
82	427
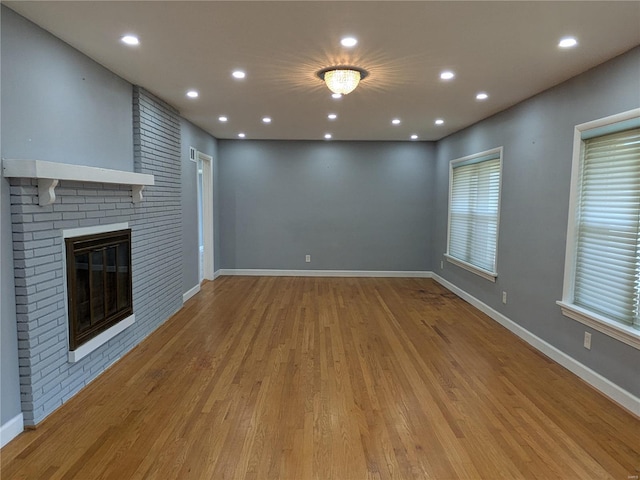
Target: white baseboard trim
11	429
216	274
622	397
190	293
323	273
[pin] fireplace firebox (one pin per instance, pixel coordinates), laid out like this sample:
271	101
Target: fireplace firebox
98	283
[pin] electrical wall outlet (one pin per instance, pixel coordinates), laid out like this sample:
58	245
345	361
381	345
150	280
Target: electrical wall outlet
441	264
587	340
307	258
504	297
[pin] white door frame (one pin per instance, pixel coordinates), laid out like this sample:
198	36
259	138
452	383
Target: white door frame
207	212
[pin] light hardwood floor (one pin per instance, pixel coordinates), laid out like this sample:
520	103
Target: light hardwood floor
331	379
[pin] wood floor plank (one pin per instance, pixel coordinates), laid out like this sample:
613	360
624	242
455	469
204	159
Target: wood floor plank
330	378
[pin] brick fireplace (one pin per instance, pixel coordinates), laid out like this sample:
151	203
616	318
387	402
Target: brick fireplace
43	208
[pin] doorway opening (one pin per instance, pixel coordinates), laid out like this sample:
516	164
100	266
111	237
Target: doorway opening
205	216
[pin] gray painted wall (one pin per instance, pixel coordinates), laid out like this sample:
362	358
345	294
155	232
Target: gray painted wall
9	381
537	136
217	246
9	378
57	105
350	205
197	138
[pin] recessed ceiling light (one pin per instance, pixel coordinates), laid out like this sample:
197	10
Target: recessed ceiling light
241	135
130	40
349	42
447	75
239	74
414	137
266	120
192	94
327	136
439	121
482	96
396	121
568	42
332	116
222	119
336	95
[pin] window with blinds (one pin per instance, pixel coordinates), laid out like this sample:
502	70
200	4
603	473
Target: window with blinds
602	265
607	263
474	210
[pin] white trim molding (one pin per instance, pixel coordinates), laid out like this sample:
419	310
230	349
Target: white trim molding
97	341
616	330
619	331
190	293
207	213
324	273
472	268
49	174
106	228
11	429
620	396
496	153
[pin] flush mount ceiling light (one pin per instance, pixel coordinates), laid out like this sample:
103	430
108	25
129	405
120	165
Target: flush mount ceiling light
343	79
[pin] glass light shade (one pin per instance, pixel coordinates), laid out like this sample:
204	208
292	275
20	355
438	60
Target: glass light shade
342	81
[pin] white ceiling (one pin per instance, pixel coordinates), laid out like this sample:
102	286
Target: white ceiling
508	49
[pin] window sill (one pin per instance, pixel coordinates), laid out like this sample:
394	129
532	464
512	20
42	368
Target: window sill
621	332
491	276
96	342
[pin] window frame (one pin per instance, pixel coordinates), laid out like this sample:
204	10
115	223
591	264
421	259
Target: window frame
492	154
624	333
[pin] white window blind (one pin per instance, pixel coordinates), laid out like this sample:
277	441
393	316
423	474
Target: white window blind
607	263
474	211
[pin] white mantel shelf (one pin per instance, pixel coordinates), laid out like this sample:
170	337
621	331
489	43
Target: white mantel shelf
49	174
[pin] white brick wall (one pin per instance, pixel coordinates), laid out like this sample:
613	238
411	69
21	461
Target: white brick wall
47	379
157	273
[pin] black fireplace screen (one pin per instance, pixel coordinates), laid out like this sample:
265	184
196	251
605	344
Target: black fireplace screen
98	283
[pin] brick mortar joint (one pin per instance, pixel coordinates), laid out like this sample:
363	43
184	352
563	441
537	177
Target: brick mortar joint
141	93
